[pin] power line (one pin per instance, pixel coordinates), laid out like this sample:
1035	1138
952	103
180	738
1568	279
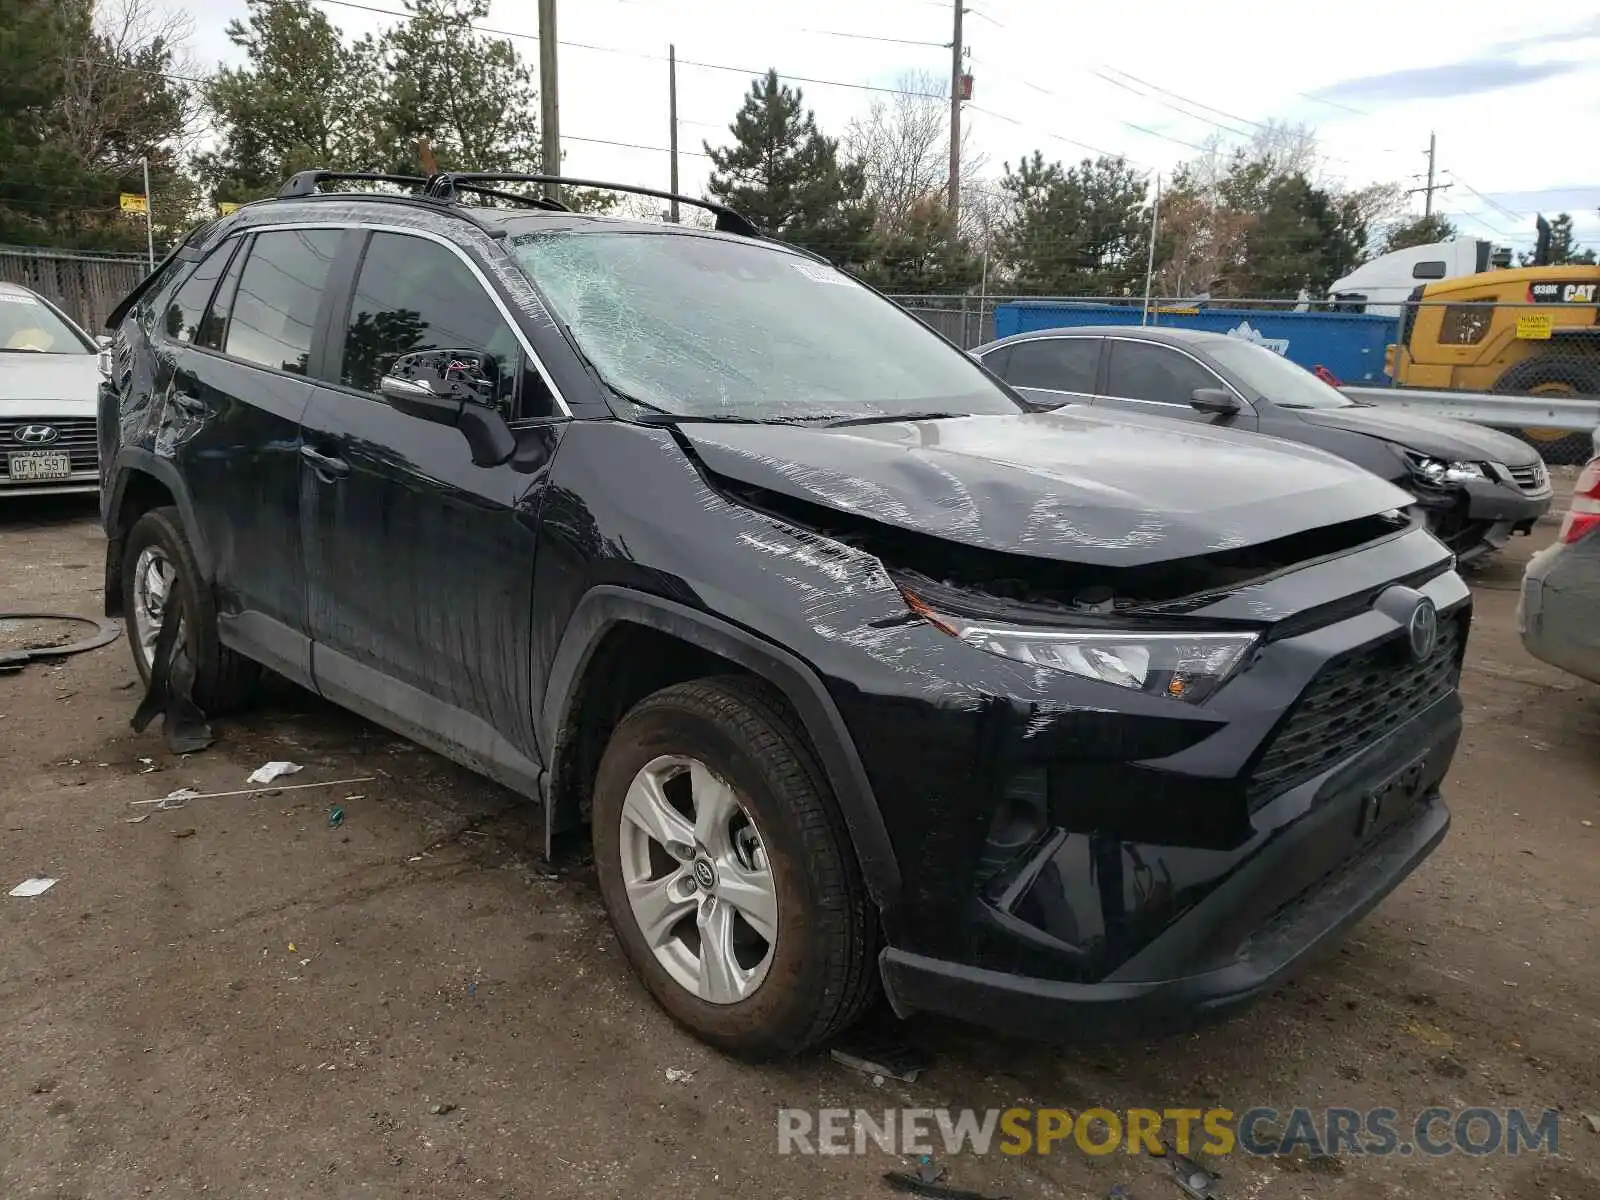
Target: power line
682	62
1187	100
1130	124
569	137
1058	137
1498	207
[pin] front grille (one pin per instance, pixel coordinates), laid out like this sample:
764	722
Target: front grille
1530	479
75	435
1352	703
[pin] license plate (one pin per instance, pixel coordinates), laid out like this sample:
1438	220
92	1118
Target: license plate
1535	326
38	466
1391	799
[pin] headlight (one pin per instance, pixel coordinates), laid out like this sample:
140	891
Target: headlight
1438	471
1183	666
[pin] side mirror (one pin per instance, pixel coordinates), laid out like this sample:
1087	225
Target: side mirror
453	387
1217	401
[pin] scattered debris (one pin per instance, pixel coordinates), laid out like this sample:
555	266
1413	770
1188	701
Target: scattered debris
182	796
679	1075
882	1053
1118	1192
1594	1120
1588	824
267	772
37	886
14	660
335	817
440	1110
184	833
915	1185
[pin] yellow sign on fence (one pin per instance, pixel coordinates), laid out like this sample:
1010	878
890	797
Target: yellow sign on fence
227	207
1535	326
134	204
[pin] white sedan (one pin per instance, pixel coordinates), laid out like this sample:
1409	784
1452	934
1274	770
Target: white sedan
49	374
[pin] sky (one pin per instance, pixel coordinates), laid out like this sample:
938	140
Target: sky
1511	93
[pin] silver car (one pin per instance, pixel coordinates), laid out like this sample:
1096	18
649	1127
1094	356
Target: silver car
1559	616
49	375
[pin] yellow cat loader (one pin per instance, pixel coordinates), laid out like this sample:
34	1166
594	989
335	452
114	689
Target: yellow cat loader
1521	331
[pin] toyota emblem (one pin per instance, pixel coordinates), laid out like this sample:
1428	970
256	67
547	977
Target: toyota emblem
35	435
1423	629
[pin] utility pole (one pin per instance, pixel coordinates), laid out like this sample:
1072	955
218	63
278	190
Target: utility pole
549	103
149	218
672	114
1150	266
1427	192
955	121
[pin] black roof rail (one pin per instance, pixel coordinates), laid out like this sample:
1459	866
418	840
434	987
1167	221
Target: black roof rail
305	183
446	183
520	197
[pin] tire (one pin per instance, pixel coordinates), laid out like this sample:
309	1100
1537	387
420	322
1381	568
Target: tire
1554	374
820	968
223	680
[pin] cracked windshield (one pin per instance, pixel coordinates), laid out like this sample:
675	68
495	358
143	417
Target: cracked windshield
699	327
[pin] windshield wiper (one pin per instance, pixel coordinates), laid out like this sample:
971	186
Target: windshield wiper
880	417
22	350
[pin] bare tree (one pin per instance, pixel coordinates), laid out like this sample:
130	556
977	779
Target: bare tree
904	144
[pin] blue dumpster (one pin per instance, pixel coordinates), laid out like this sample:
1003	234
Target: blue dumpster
1349	346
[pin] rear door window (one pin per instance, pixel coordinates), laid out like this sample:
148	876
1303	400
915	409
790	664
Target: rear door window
1144	371
280	289
1056	364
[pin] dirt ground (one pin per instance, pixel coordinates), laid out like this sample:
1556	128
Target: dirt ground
239	999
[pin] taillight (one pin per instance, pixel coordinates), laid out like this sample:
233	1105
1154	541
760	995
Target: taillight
1584	515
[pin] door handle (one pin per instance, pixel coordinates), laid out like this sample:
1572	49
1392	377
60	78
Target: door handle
327	467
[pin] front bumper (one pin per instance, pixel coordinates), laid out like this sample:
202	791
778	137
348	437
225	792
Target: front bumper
1558	615
1178	861
1479	517
1165	988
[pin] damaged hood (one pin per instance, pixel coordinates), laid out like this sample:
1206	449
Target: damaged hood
48	385
1437	437
1071	485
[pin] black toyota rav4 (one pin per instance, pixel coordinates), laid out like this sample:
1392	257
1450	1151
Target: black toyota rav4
861	673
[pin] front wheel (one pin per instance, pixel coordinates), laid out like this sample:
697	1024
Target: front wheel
727	873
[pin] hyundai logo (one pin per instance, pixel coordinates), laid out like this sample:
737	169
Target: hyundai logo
35	435
1423	629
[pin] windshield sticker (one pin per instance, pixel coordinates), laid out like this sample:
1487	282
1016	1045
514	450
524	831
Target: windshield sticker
1247	332
818	273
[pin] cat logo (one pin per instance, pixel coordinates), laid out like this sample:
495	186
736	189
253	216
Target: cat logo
1562	293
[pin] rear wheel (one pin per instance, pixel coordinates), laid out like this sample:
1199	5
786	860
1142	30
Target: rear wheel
160	583
727	872
1554	375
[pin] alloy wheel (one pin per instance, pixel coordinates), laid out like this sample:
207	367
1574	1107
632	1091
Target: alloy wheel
698	880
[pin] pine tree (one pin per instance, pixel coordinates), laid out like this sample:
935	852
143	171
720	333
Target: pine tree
784	175
469	93
305	99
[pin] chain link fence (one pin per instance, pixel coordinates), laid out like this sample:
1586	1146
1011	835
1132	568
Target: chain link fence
86	286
